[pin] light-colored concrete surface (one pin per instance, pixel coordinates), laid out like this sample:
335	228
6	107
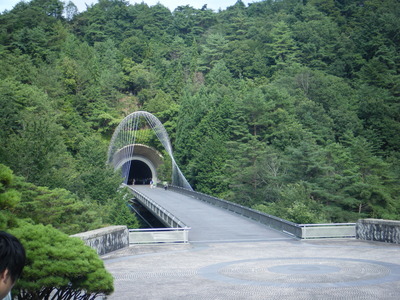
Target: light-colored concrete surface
209	223
231	257
275	269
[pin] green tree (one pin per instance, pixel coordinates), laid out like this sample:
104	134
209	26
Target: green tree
295	205
378	110
375	187
100	183
56	264
205	169
37	152
283	48
219	75
189	22
59	265
193	108
135	48
63	210
110	75
118	211
255	172
213	50
17	102
137	76
316	35
9	197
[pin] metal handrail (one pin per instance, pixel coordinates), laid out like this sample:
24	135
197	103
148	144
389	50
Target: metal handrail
159	229
336	230
285	226
327	224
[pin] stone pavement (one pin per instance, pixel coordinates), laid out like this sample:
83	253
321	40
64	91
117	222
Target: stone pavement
271	269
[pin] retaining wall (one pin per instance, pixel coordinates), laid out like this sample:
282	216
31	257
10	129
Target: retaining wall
378	230
105	240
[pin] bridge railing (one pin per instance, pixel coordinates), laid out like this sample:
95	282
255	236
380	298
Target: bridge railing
159	235
177	231
331	230
302	231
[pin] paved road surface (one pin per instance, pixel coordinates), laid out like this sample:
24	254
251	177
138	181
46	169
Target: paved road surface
207	222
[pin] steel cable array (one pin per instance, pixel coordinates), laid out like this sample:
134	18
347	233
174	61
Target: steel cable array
126	136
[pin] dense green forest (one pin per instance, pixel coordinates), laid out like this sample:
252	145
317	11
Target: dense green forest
290	107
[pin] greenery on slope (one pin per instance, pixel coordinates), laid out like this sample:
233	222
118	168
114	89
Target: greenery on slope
291	107
57	266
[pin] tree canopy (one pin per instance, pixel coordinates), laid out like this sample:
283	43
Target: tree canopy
58	267
288	107
291	107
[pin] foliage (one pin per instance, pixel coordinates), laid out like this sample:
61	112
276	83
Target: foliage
119	211
63	209
9	198
59	266
295	205
288	106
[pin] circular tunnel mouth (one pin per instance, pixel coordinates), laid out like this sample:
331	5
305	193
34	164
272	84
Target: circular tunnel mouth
139	172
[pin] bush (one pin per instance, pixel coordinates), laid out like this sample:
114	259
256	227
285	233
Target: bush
59	267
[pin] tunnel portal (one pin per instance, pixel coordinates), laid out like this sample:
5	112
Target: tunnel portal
139	163
139	172
125	146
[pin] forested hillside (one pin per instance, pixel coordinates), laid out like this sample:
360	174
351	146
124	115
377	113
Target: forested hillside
290	107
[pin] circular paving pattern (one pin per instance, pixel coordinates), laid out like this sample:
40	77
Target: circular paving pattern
304	269
303	272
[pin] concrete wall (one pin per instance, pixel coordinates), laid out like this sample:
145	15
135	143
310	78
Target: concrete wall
105	240
378	230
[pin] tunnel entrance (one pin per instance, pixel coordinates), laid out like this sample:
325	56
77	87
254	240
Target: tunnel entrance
139	173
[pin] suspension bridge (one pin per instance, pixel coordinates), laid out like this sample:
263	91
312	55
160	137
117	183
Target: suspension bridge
233	252
139	164
133	151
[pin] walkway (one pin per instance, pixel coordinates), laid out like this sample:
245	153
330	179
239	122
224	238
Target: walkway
283	269
250	262
207	222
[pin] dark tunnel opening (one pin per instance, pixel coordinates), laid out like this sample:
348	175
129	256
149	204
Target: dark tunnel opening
139	173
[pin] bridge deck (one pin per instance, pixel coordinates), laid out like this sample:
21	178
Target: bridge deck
209	223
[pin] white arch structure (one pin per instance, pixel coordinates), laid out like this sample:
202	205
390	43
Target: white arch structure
129	132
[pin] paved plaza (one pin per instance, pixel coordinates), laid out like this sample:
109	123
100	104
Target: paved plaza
271	269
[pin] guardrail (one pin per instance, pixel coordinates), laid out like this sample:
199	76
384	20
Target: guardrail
301	231
177	231
159	235
331	230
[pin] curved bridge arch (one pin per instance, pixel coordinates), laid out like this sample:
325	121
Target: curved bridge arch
125	147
